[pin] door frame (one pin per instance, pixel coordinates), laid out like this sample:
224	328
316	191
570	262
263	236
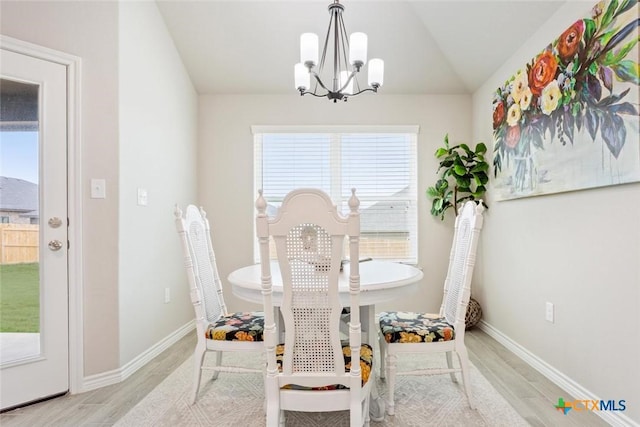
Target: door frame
74	198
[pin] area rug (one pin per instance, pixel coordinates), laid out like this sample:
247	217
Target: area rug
235	400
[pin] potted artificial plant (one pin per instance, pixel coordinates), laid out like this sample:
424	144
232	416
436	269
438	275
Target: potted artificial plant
462	176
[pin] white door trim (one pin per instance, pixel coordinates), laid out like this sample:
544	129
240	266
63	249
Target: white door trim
74	191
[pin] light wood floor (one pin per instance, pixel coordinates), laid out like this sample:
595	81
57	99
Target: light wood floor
531	394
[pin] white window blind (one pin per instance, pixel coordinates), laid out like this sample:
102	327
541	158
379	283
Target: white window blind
379	162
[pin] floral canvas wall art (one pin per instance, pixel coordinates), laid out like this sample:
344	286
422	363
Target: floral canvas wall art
570	119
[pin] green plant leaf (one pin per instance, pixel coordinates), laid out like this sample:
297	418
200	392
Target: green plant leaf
441	152
468	169
442	185
463	181
482	176
480	167
460	170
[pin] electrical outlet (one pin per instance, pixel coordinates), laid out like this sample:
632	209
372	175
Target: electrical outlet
548	315
167	295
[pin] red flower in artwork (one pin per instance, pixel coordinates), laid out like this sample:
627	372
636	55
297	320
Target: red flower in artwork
513	136
498	114
542	72
569	41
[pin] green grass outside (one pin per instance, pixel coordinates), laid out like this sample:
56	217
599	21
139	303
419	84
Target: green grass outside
20	298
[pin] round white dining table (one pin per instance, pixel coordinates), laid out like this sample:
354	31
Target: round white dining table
380	281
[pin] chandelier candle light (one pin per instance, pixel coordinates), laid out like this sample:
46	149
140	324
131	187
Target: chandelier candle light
344	69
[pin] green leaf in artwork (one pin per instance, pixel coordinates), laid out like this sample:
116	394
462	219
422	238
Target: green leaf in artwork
593	68
610	13
627	71
613	57
589	29
626	5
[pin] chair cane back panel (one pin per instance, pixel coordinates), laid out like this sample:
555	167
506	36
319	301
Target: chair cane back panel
207	279
310	366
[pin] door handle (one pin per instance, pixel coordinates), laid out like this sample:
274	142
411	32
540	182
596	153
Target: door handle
55	245
55	222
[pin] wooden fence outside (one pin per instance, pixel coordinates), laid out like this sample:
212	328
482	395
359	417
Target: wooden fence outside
19	243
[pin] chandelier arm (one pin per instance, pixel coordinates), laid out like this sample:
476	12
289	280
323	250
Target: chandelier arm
351	76
369	89
345	43
317	77
306	92
324	49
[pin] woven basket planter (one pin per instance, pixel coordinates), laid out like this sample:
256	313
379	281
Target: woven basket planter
474	314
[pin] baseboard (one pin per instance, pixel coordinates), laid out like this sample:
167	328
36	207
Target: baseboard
616	419
115	376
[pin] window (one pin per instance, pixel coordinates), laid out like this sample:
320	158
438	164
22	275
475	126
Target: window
379	162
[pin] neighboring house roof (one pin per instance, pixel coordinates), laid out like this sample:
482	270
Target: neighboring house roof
390	216
18	195
381	217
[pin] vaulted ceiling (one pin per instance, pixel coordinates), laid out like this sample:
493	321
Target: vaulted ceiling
429	46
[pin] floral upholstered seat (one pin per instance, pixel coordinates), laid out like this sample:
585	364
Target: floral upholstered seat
366	360
241	326
404	327
421	333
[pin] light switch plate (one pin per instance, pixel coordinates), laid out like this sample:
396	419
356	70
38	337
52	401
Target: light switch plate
143	197
549	314
98	189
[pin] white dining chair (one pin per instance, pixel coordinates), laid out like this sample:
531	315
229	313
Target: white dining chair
409	332
217	330
313	370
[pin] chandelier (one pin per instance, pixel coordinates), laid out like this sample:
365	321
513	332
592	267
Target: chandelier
349	56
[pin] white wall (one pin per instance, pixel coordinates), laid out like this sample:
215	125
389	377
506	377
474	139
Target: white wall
138	129
579	250
88	30
158	113
225	169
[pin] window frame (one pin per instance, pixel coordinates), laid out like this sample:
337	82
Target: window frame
337	132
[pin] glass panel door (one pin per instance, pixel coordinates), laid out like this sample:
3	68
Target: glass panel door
34	325
19	228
